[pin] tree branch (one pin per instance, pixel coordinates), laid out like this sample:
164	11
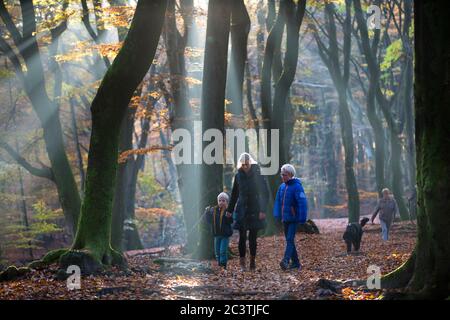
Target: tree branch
9	52
43	172
9	23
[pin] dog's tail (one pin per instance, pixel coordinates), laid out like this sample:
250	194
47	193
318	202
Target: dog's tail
364	221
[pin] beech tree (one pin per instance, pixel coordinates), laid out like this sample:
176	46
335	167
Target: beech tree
91	249
213	104
425	274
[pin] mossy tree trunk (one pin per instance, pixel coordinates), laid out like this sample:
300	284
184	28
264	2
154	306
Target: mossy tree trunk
123	207
92	246
426	273
432	99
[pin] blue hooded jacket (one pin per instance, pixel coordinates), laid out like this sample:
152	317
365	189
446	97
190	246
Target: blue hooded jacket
290	202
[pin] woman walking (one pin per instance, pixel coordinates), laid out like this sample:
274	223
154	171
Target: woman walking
248	202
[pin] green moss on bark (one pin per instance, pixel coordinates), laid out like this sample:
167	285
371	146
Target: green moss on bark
91	249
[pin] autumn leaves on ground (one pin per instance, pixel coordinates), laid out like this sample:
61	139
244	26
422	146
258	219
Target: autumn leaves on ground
170	275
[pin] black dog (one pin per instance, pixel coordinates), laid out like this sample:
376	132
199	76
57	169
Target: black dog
353	234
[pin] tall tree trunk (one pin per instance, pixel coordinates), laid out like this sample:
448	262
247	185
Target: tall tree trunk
240	27
395	144
330	56
329	155
182	116
408	103
426	272
377	128
92	246
291	15
212	109
23	202
131	238
432	98
124	233
294	17
121	217
73	118
347	140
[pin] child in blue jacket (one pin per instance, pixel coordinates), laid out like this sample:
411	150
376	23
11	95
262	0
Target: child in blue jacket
292	208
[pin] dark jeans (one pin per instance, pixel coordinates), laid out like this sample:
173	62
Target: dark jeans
252	235
291	252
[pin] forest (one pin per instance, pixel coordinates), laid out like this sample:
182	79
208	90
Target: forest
127	128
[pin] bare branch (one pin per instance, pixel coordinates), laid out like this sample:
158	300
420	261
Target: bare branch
43	172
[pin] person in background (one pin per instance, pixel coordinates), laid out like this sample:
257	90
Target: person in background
387	207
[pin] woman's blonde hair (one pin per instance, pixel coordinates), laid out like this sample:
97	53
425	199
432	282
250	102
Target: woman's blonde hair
243	158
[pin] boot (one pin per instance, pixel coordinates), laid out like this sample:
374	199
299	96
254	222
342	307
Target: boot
252	262
242	263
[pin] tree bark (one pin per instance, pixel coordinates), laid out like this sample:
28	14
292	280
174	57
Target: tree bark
274	112
329	156
432	98
212	109
76	141
124	233
92	246
182	116
426	274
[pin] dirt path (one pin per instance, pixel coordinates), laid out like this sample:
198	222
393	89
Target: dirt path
322	256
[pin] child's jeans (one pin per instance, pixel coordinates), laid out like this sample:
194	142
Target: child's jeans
221	249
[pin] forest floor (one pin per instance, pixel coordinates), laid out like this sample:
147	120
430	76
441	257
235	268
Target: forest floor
174	277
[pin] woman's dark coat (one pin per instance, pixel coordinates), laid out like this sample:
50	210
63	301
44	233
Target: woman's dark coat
248	198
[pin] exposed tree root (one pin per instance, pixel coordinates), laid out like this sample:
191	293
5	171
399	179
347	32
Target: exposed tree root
12	273
89	261
92	261
51	257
